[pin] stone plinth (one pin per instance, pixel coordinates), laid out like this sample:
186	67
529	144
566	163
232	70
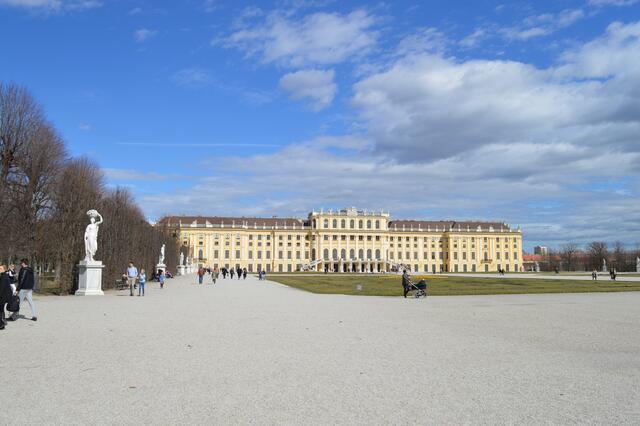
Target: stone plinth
182	270
160	266
90	282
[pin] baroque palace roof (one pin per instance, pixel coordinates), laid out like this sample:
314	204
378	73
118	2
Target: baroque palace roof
294	223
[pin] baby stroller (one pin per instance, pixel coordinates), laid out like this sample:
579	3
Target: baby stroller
420	287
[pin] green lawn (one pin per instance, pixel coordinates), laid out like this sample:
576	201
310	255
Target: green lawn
390	285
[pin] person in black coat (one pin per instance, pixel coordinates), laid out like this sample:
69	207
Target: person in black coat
5	294
26	284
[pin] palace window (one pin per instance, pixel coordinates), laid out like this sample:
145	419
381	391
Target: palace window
335	223
259	254
352	224
326	223
237	254
369	254
326	254
289	237
433	255
377	237
288	255
368	237
268	253
377	224
215	254
326	238
464	256
377	254
360	224
343	224
352	237
335	238
343	237
280	255
226	254
250	254
473	256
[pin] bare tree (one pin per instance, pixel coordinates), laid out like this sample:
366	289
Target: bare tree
597	251
568	254
620	257
34	183
20	117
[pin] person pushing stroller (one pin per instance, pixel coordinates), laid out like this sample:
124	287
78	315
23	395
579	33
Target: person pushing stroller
420	287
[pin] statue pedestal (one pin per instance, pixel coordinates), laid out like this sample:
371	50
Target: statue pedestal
161	266
90	282
182	270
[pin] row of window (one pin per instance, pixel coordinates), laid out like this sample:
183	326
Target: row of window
369	224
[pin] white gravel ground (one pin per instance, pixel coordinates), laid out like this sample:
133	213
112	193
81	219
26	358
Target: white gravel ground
250	352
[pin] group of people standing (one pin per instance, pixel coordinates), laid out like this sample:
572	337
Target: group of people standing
15	289
138	279
612	274
215	273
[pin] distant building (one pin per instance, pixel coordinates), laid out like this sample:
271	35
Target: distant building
349	240
541	250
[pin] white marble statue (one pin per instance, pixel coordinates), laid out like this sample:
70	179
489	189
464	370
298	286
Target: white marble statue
604	265
91	235
181	258
637	264
161	259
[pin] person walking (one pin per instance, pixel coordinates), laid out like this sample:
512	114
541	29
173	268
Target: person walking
132	274
239	272
244	273
161	278
200	275
25	289
231	272
5	294
214	274
142	279
594	275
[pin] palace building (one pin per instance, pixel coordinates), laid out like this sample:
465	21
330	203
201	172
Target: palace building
348	240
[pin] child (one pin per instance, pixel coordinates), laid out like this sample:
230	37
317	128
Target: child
142	279
161	278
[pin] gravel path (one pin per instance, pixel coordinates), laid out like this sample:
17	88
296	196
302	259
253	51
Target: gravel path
258	352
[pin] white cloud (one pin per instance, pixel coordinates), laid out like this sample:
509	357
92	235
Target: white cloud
86	127
425	107
192	78
474	38
554	148
543	25
53	5
316	85
612	2
143	34
317	39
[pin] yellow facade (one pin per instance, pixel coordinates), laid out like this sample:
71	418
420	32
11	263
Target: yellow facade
349	240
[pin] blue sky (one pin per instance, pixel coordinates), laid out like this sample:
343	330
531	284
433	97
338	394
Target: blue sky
527	112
